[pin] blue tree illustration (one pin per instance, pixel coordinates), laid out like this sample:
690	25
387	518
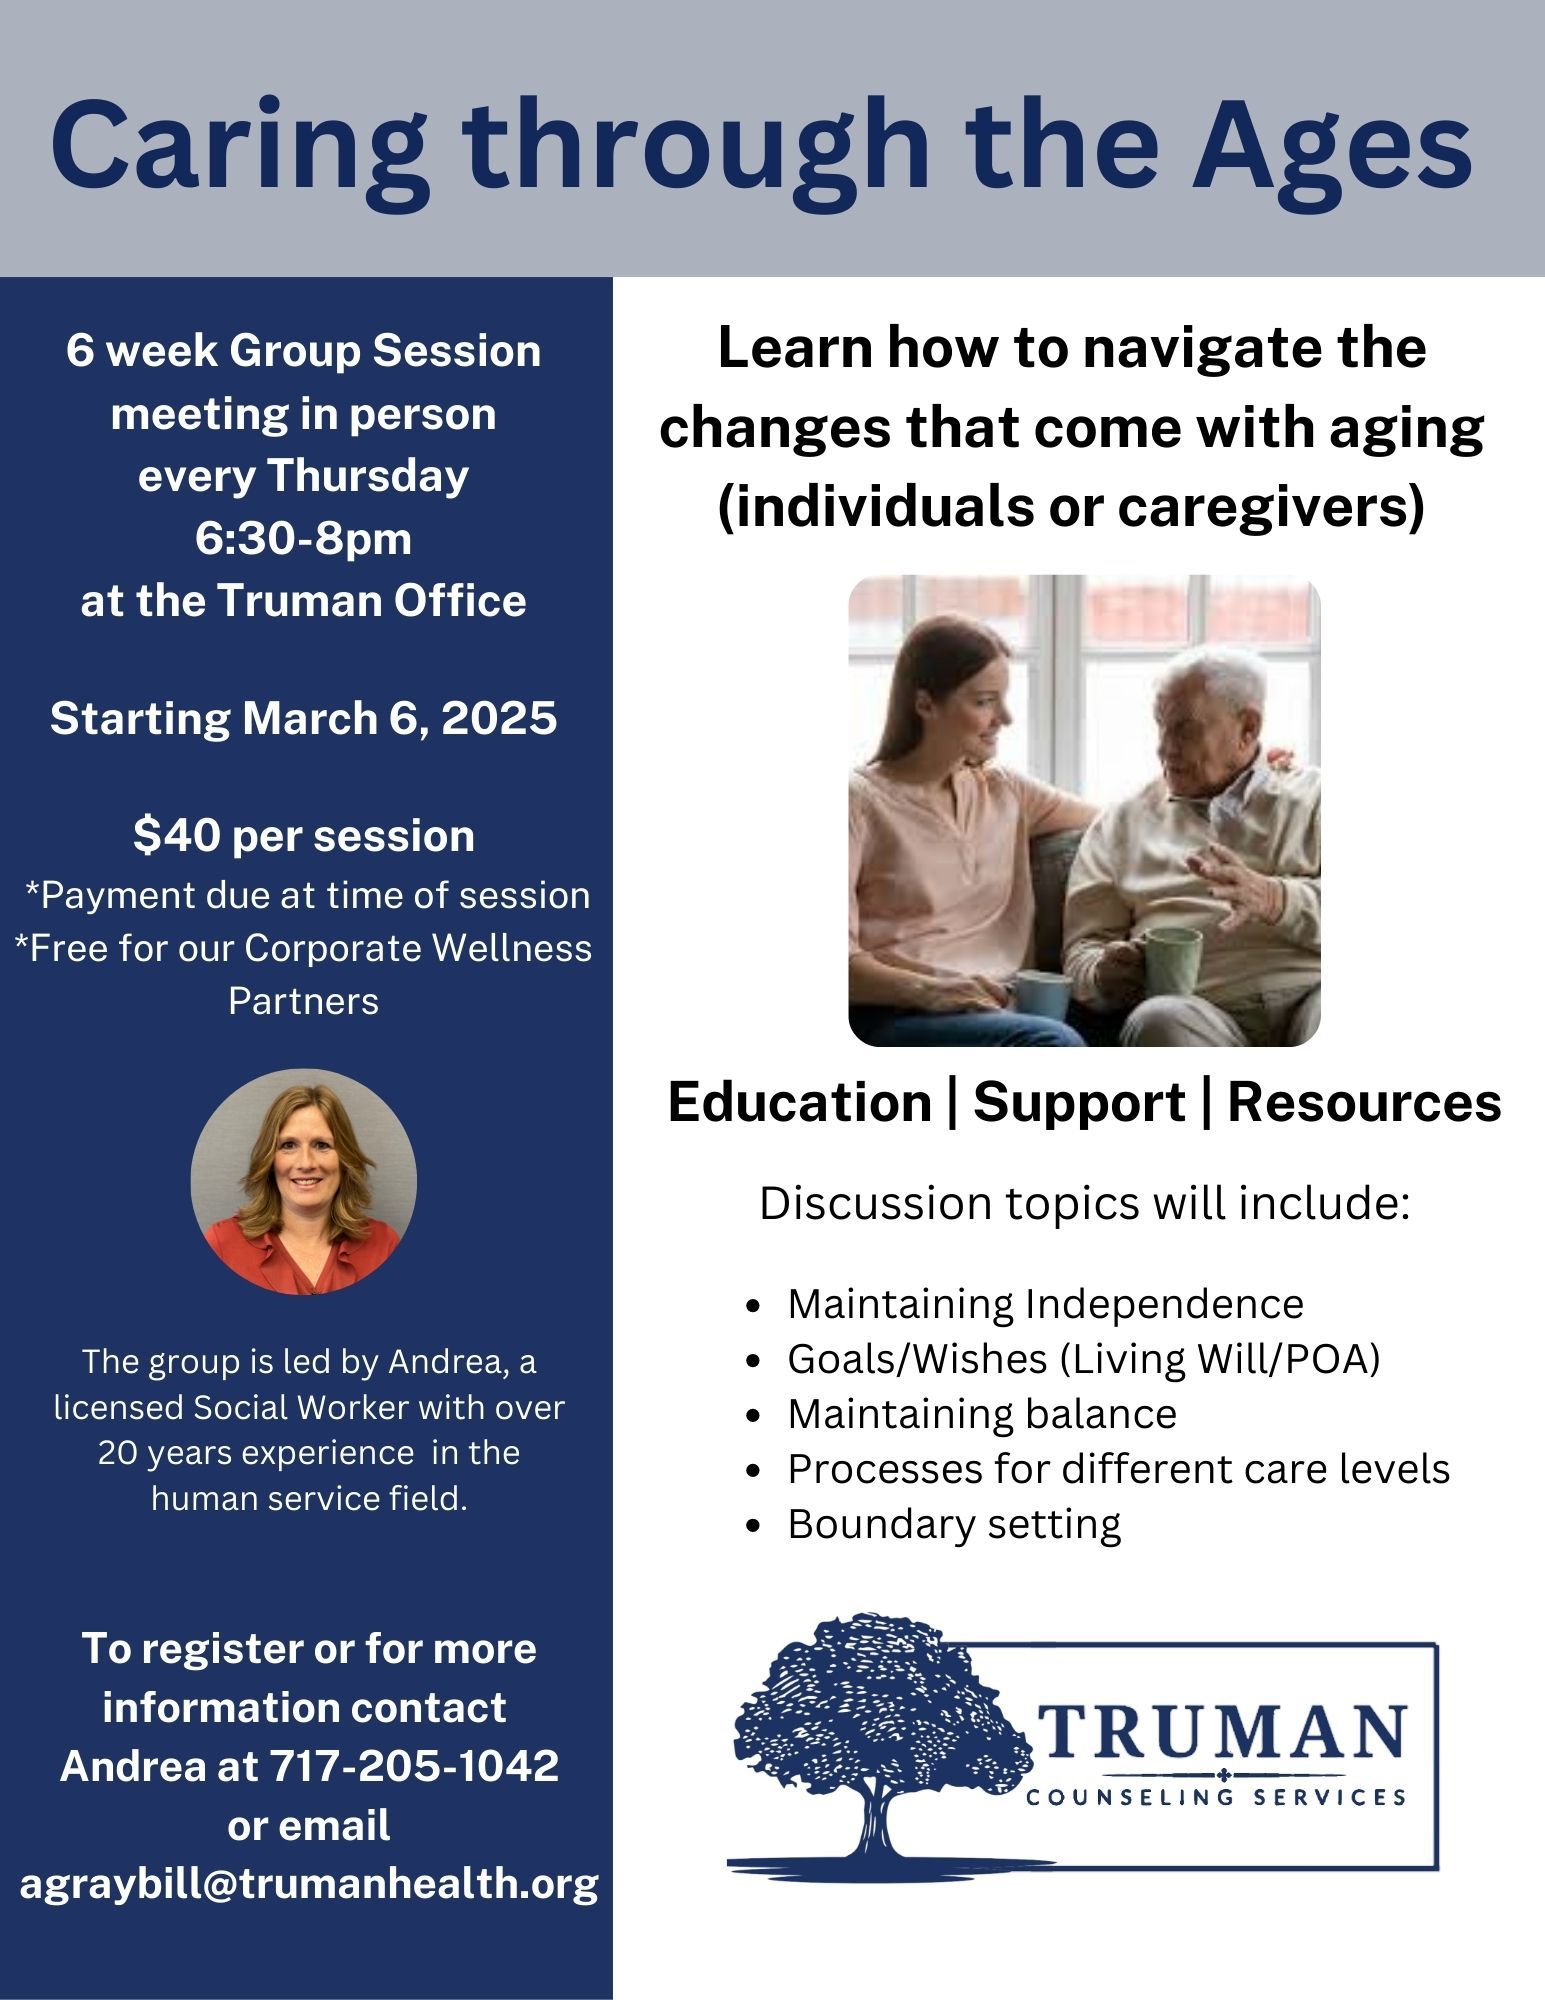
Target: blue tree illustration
883	1706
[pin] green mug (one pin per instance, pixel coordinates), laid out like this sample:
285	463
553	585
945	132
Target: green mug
1172	958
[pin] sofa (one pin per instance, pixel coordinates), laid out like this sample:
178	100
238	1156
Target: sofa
1051	861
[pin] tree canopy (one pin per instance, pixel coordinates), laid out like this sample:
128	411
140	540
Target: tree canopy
884	1706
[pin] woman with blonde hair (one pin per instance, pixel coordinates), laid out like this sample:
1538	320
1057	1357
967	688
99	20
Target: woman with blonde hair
306	1225
940	901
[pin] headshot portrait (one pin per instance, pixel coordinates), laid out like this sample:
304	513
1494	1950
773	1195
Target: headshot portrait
1084	810
322	1177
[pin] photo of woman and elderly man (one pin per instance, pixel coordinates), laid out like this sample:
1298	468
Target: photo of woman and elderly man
1168	896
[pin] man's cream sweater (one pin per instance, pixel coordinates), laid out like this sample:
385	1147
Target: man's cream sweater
1130	873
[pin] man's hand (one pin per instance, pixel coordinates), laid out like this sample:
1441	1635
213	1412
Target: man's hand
1119	974
960	993
1248	895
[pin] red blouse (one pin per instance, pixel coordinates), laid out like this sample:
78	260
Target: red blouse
266	1262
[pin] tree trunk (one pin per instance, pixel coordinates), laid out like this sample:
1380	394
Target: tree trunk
875	1839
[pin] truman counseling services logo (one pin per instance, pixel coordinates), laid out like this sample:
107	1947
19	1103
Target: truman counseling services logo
1214	1755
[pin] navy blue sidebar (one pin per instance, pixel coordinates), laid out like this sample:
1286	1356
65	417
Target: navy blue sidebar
473	1001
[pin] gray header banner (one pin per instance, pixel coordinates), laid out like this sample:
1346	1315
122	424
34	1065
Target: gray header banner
689	64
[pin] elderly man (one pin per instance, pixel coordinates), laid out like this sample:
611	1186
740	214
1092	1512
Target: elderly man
1223	843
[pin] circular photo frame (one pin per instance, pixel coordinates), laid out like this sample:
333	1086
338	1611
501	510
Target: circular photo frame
303	1182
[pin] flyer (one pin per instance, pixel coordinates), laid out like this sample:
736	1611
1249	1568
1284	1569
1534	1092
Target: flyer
1004	1458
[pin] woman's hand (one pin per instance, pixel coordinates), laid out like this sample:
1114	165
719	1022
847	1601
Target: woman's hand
960	993
891	979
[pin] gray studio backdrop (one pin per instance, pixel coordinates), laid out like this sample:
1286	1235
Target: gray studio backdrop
225	1146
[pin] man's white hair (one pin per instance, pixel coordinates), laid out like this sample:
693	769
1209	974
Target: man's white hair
1235	675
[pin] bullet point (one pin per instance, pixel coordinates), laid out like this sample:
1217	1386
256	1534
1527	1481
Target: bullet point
753	1416
752	1471
753	1360
752	1526
753	1305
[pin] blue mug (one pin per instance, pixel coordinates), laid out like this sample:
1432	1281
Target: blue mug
1043	993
